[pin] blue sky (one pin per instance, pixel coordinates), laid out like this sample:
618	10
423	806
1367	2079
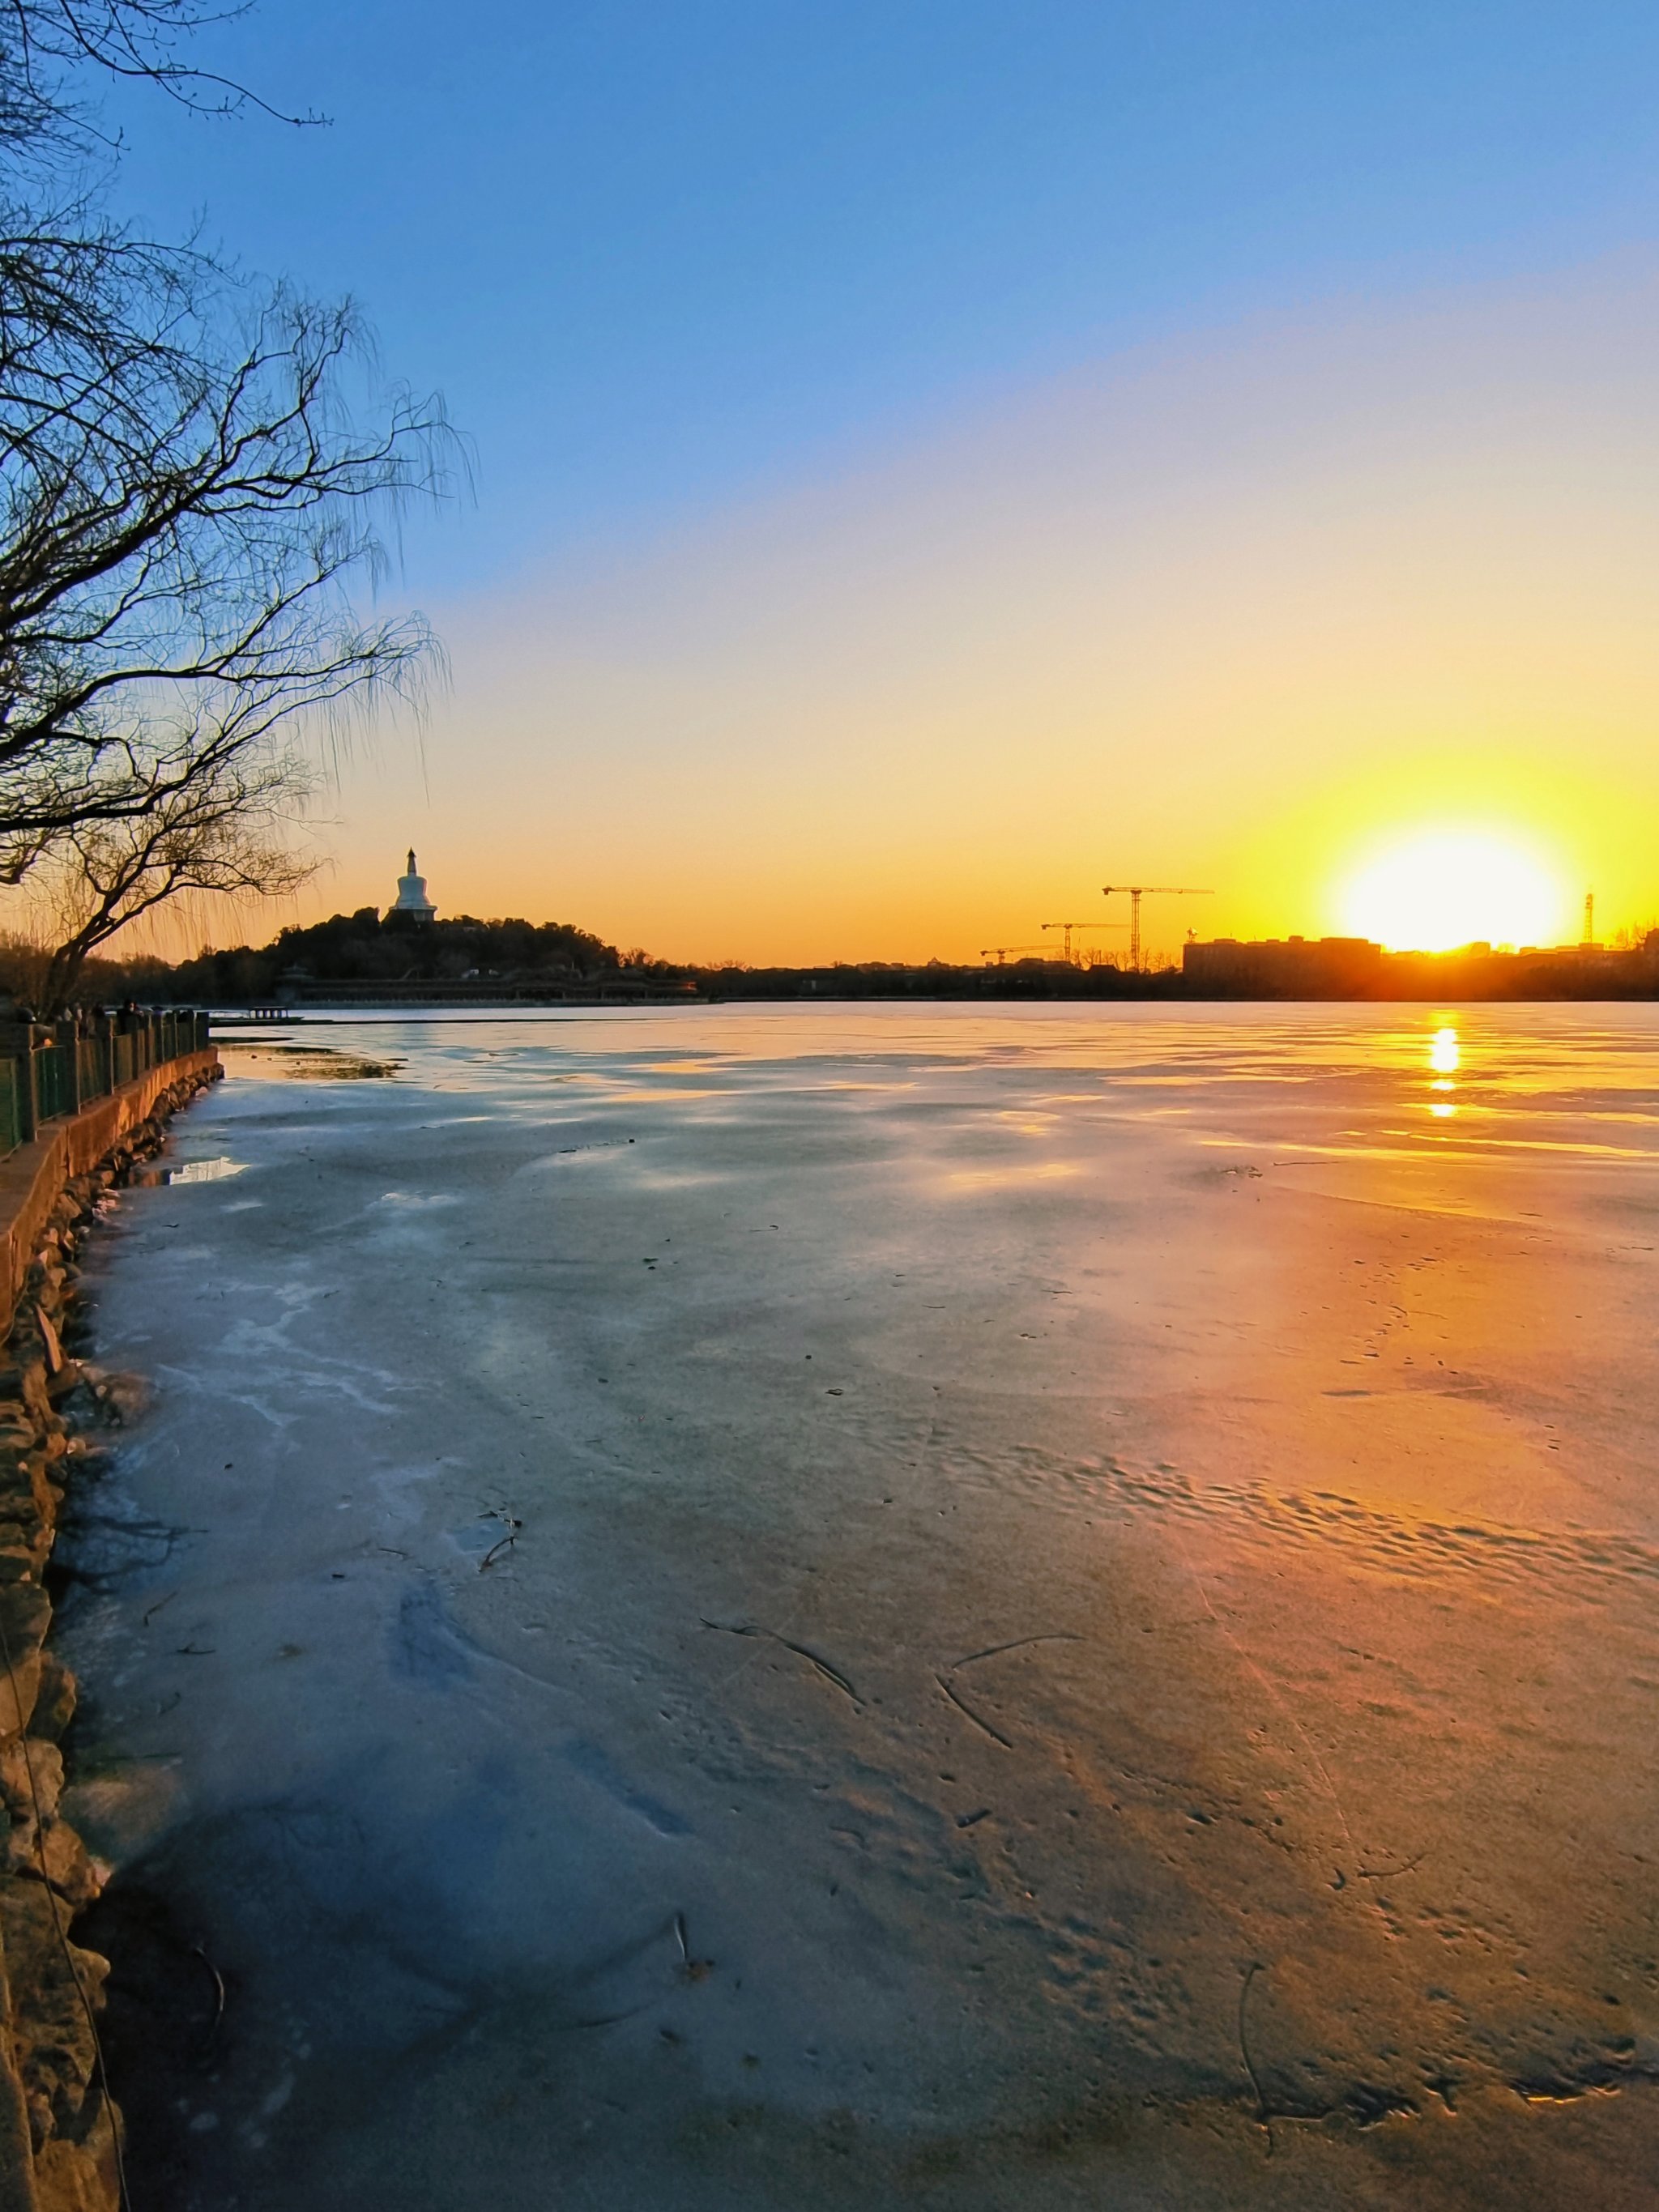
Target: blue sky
657	256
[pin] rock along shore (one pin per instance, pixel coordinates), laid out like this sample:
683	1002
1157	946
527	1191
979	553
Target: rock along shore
60	2133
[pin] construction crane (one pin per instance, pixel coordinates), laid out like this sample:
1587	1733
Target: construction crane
1139	891
1001	951
1068	926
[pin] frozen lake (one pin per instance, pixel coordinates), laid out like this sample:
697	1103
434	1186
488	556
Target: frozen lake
1080	1626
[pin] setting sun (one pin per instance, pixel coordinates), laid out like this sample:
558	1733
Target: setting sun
1445	888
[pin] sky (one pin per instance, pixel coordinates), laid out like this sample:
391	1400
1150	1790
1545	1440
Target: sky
929	461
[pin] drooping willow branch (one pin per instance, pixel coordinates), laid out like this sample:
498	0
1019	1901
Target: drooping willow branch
195	482
185	525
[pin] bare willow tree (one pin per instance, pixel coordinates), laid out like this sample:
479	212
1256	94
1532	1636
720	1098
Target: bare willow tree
193	485
179	529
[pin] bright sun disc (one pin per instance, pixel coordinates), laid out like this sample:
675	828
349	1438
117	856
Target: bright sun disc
1446	888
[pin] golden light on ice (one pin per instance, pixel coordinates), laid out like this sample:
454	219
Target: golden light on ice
1440	889
1442	1052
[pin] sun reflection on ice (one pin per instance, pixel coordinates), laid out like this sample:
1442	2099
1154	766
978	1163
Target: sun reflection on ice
1443	1060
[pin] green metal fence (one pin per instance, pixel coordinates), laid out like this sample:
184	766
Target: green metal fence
48	1069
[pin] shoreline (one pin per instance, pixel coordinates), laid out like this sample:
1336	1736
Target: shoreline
231	1022
60	2142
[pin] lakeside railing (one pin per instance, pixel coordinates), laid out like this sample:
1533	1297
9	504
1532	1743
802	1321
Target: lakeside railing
49	1069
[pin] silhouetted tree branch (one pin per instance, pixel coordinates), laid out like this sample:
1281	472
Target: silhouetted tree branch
50	50
226	833
180	528
192	492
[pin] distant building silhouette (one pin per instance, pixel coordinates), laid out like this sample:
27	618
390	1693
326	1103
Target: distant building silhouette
1354	968
1285	968
412	902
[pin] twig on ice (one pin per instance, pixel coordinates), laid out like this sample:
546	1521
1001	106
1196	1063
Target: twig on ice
513	1525
991	1650
749	1628
978	1719
218	1996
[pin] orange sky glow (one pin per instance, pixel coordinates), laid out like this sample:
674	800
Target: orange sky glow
1250	613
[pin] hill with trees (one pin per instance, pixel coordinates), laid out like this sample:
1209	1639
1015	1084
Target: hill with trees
368	948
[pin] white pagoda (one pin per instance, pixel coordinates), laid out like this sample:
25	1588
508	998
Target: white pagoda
411	898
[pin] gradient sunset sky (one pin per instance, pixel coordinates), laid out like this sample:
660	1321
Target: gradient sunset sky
932	460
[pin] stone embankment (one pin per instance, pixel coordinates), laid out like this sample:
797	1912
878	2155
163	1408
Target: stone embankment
59	2141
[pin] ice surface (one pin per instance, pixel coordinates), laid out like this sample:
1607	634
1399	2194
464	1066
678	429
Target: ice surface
835	1607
